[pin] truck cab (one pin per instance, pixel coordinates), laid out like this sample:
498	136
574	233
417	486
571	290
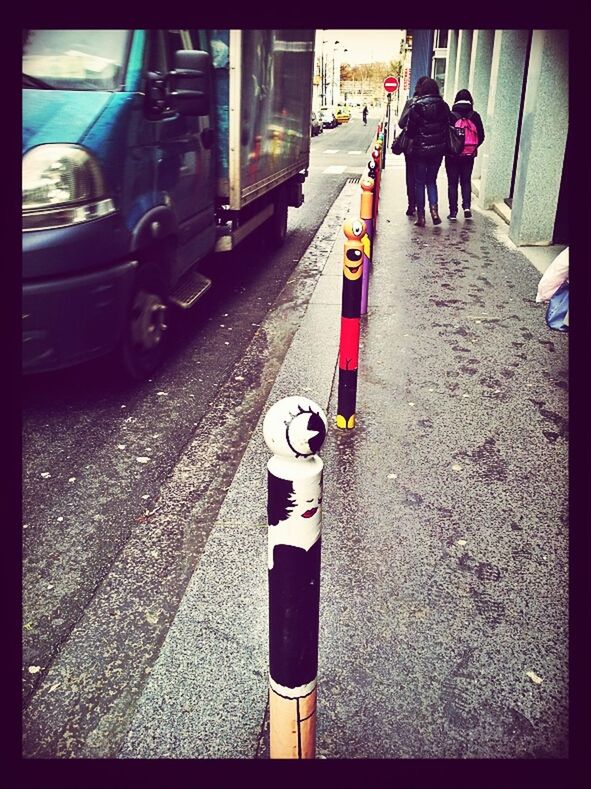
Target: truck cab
117	164
129	181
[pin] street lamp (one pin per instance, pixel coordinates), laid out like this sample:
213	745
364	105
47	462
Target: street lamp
323	75
334	49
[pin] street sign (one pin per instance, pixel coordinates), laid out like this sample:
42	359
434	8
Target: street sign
390	84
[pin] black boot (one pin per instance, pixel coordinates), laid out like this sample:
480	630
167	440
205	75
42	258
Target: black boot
434	214
410	211
420	218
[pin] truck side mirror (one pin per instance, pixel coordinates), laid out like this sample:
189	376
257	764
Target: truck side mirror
190	82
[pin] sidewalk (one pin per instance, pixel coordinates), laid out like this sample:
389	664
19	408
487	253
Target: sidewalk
443	621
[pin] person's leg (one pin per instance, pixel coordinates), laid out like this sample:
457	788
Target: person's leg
433	165
452	169
466	167
420	173
410	185
432	169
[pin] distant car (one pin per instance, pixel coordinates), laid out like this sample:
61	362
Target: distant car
343	114
315	125
328	118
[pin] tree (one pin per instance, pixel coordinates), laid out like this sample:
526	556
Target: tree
395	68
346	72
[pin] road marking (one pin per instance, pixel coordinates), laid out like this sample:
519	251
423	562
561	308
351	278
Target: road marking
335	168
352	153
331	150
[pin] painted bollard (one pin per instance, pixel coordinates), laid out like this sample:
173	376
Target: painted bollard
294	429
354	230
371	173
376	156
366	209
365	212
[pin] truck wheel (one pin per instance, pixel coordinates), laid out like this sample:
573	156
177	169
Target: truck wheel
144	339
277	223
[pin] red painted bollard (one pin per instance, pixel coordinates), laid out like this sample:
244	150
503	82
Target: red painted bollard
294	429
354	230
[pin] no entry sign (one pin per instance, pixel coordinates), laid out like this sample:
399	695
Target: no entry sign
390	84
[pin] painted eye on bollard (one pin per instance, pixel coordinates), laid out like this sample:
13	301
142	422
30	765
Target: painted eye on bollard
294	427
354	229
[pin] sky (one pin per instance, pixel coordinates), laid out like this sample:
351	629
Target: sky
364	46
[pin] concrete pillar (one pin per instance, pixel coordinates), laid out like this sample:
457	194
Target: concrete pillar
502	114
450	68
462	61
479	78
543	140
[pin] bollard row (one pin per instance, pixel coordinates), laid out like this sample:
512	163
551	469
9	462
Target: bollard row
294	429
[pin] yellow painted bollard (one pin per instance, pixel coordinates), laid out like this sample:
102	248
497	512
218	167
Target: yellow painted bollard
366	210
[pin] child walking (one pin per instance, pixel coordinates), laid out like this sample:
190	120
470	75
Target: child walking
459	166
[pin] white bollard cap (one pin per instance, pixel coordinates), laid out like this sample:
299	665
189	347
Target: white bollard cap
295	427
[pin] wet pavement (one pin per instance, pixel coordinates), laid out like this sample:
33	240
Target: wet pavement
444	587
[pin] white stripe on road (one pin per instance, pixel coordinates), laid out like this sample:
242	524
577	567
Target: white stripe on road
331	150
335	168
354	152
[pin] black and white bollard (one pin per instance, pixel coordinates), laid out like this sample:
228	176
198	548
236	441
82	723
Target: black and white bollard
294	429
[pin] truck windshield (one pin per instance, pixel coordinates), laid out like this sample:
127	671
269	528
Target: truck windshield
75	59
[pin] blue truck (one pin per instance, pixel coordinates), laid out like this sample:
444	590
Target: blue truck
144	153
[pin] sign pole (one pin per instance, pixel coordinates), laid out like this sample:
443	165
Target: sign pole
390	86
387	135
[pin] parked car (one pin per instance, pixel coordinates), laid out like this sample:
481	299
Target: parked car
328	118
342	114
315	125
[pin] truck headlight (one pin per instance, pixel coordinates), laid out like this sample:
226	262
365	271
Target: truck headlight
62	185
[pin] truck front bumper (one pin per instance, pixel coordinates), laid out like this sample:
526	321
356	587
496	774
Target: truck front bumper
69	320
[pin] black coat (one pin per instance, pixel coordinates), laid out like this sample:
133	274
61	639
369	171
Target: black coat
403	120
463	109
428	120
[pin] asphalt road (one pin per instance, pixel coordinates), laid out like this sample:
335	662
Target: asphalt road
105	563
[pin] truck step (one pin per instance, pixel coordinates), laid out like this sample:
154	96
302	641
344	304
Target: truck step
191	287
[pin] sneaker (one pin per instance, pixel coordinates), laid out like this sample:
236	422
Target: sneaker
467	213
452	215
410	211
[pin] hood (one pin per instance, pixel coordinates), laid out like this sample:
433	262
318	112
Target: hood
428	99
59	115
462	107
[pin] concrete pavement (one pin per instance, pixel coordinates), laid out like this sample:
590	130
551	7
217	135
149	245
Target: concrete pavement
443	610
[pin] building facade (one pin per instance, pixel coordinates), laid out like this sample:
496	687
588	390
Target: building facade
519	81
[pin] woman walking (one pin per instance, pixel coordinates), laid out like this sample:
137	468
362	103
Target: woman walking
410	173
428	121
459	166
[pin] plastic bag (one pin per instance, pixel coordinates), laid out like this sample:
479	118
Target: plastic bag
554	276
557	312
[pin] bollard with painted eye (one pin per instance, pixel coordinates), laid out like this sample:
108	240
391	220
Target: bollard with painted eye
371	173
294	429
354	230
366	211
